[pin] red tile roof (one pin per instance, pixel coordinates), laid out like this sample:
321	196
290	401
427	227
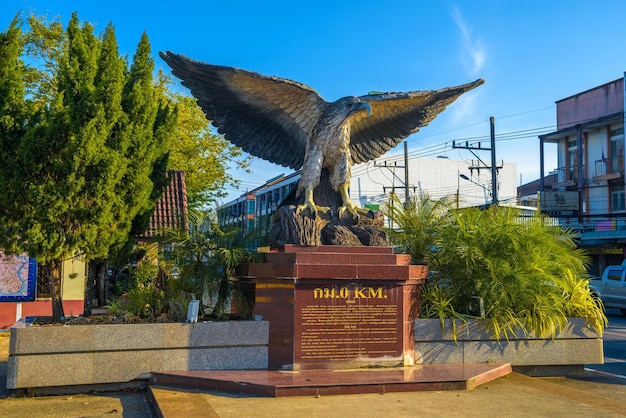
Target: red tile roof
171	211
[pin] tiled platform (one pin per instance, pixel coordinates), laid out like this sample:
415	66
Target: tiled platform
337	382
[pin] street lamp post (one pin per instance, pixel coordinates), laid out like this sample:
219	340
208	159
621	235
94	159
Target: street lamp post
464	177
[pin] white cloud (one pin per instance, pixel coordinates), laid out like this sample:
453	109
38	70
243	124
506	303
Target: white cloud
472	46
465	107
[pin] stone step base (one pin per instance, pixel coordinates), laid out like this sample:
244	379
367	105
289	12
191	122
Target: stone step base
274	383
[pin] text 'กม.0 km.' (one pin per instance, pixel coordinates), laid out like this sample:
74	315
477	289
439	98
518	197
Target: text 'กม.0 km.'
349	293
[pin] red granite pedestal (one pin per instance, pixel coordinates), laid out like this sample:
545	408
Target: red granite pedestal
335	307
335	314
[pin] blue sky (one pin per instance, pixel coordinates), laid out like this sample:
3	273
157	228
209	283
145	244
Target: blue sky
531	53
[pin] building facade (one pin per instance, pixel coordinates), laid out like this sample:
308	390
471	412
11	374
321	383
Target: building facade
586	190
25	288
252	211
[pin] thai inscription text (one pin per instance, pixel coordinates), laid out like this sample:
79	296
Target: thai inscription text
349	321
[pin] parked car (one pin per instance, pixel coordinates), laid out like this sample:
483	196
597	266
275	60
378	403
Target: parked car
612	287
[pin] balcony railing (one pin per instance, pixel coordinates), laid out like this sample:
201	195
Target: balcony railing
565	174
609	166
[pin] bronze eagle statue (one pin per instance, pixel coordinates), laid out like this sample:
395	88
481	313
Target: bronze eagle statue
290	124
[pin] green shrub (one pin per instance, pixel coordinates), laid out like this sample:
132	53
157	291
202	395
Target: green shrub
145	301
437	303
528	274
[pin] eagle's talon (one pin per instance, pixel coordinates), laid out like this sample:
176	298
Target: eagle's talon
347	204
313	208
352	209
309	204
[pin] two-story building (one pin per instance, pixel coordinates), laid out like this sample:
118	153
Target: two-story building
252	211
586	190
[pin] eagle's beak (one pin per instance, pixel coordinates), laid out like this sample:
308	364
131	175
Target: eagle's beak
364	105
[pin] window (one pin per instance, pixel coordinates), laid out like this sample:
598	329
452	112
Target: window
572	159
617	197
617	150
251	205
43	282
614	274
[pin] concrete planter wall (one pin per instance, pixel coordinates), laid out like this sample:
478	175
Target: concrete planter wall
100	354
573	347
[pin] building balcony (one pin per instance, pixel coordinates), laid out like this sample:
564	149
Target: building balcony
609	169
565	177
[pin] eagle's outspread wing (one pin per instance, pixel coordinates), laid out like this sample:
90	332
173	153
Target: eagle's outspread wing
269	117
283	121
395	116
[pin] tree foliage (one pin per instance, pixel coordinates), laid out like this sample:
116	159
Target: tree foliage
204	156
86	139
90	163
185	266
14	120
418	222
44	43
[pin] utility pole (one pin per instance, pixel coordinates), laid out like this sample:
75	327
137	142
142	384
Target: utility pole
494	167
458	188
406	176
406	186
579	171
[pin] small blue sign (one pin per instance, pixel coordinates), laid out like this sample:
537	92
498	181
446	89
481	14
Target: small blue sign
18	278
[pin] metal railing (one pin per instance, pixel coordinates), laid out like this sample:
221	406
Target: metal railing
609	166
564	174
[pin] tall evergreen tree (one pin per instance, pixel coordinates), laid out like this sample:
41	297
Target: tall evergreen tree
63	226
142	140
148	134
109	161
13	124
95	162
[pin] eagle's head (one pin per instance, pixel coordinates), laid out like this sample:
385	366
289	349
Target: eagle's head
349	108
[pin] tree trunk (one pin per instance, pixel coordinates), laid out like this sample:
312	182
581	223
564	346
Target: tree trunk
90	288
55	290
222	297
100	273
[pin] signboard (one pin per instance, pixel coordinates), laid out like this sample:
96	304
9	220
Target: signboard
604	250
349	322
18	278
559	203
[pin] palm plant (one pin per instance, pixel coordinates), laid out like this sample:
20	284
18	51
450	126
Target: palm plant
229	251
189	265
417	223
206	259
530	276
